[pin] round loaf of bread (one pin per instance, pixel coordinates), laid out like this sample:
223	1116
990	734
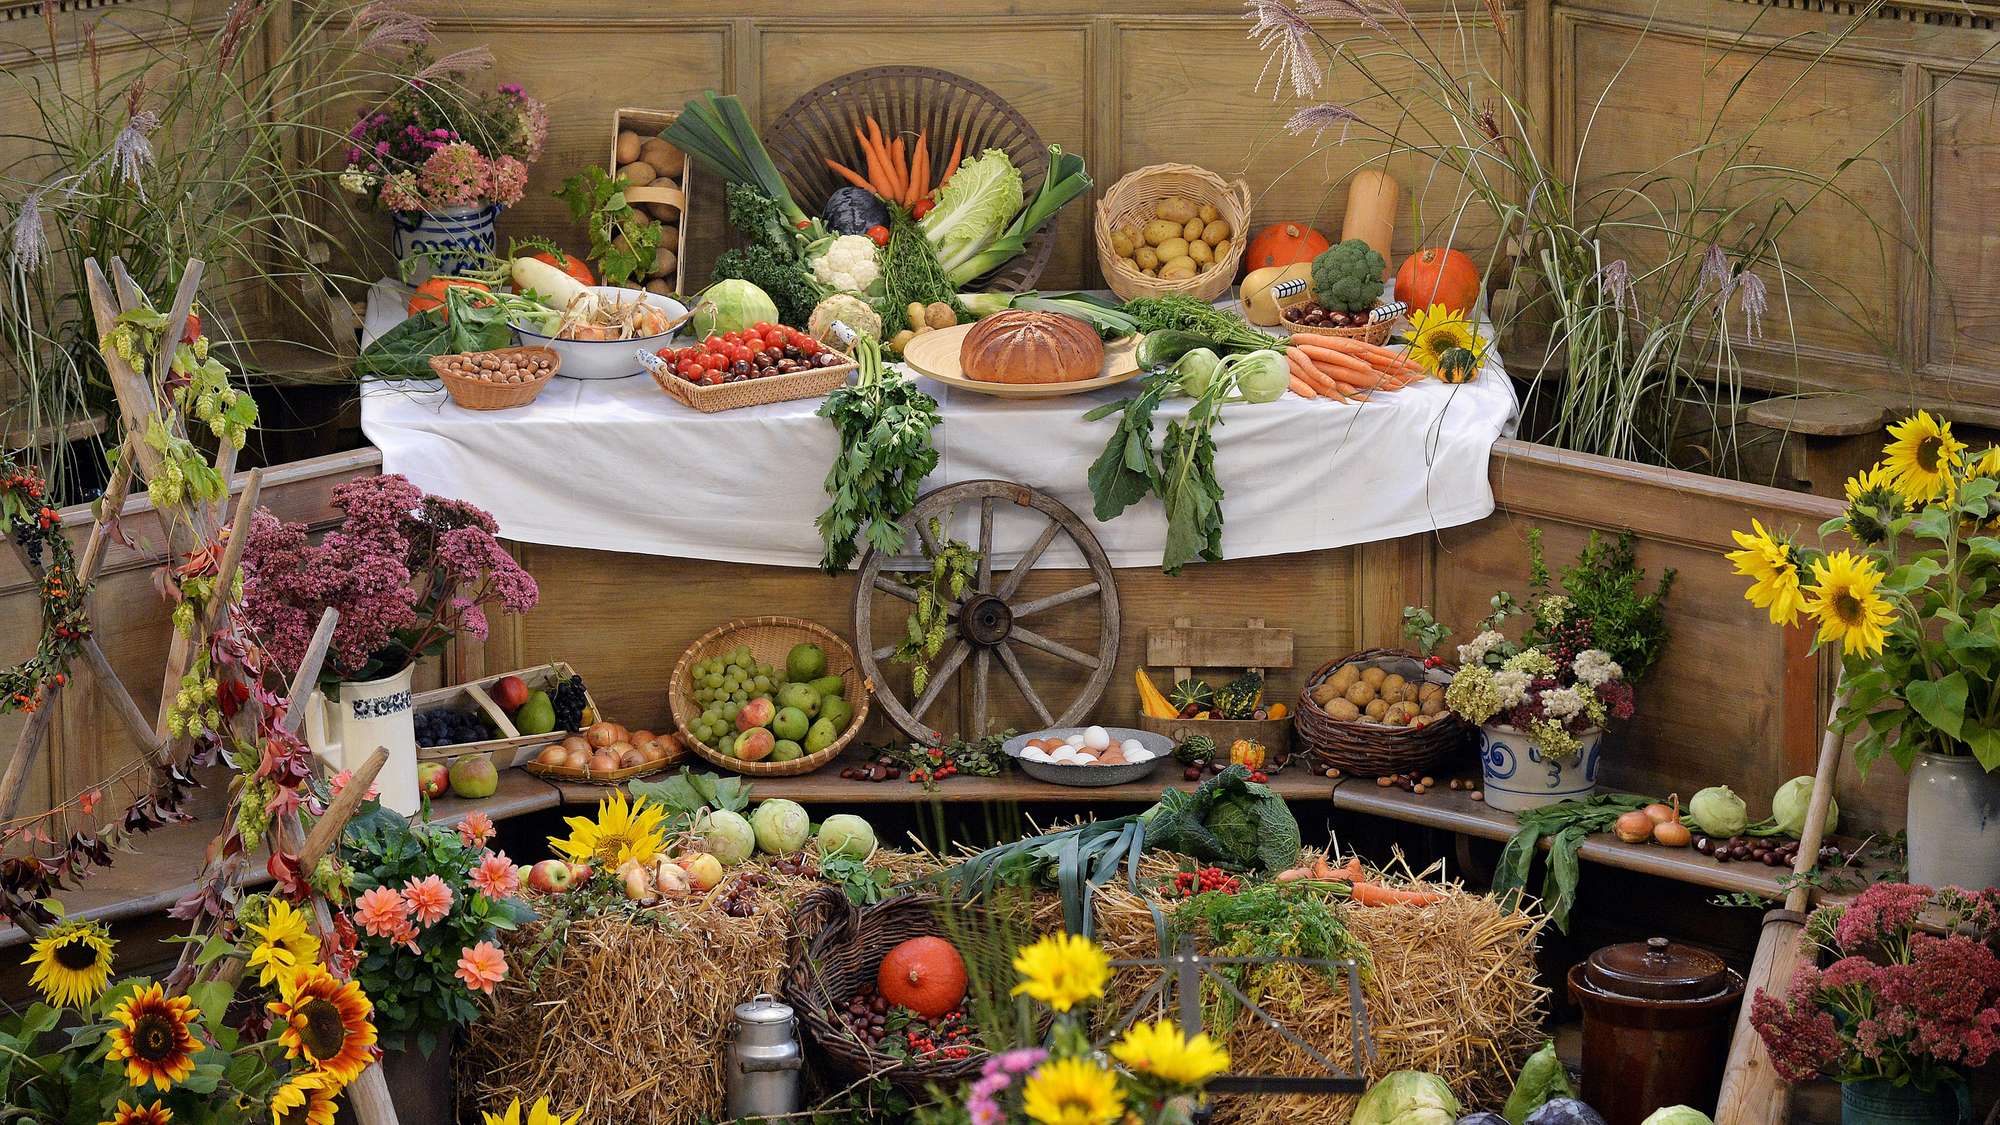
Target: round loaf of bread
1022	346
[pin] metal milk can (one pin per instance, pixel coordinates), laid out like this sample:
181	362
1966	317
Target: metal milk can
764	1059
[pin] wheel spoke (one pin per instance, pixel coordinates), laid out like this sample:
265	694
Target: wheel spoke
1054	648
1020	572
985	583
884	653
1020	678
1039	605
982	671
954	657
894	588
930	541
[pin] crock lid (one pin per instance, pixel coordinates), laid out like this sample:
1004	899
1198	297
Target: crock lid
762	1008
1657	969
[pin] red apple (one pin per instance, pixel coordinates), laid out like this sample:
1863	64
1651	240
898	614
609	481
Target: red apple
509	692
551	876
579	873
433	778
756	713
755	744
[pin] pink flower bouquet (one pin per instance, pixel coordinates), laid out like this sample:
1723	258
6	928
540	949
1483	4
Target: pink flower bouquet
407	571
435	144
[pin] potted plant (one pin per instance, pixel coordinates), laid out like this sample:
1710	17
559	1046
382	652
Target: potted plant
1911	607
407	572
1897	1015
443	160
425	911
1541	703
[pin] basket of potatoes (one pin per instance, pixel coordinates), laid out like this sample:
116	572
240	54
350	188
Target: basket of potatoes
1378	712
1171	228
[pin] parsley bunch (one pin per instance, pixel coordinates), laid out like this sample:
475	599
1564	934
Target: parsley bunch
885	453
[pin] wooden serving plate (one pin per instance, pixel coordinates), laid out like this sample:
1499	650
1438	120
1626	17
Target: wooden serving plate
935	355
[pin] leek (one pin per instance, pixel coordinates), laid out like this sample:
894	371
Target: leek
1064	181
716	128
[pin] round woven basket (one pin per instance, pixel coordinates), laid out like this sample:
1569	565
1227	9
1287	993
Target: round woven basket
478	394
1377	333
768	639
836	957
1374	749
905	100
1130	202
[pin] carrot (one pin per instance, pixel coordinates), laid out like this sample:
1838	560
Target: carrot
1333	359
877	182
957	148
920	172
849	174
1374	894
899	169
1300	388
1350	871
1303	370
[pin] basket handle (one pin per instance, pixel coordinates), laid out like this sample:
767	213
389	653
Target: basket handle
1240	192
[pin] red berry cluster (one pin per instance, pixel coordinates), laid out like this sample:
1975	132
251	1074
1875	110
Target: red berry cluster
948	1036
1570	637
1188	884
758	352
938	770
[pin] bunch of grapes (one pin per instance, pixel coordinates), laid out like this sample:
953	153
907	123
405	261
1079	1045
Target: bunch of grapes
569	702
450	728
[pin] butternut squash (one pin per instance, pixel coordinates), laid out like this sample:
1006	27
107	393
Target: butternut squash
1371	211
1259	305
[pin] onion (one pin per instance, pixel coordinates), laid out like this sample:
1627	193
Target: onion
1660	814
1672	834
669	879
576	742
604	761
552	755
601	735
1634	827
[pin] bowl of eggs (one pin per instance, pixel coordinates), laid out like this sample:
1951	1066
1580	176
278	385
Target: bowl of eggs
1088	756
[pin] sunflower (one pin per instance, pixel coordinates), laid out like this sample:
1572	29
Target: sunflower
539	1115
72	962
325	1020
1873	501
1773	566
306	1098
284	942
1160	1050
155	1037
1072	1092
1446	344
1062	970
1922	457
1844	601
619	833
155	1114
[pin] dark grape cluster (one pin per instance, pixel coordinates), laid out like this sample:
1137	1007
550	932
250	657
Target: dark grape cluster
30	539
569	703
449	728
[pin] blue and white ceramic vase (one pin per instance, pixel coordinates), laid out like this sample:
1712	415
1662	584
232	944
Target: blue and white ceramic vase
1519	777
446	241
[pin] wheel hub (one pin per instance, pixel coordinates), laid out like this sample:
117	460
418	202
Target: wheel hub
985	620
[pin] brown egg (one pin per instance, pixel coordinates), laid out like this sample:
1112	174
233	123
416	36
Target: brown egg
1112	757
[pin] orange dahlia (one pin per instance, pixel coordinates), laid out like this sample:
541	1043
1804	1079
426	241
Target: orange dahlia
155	1037
325	1020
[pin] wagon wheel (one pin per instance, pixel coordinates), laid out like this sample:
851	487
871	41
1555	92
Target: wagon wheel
988	625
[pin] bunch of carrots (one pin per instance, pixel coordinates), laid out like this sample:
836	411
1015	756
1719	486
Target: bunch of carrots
1357	886
897	174
1339	367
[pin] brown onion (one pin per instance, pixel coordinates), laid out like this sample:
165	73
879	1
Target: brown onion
552	755
576	742
1660	814
1634	827
601	735
1672	834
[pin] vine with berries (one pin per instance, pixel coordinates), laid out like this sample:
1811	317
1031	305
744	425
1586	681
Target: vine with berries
37	530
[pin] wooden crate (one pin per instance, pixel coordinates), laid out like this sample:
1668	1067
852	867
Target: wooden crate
511	748
1188	648
651	123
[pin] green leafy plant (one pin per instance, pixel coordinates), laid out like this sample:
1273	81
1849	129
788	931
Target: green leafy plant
622	249
1263	920
884	424
953	565
1605	589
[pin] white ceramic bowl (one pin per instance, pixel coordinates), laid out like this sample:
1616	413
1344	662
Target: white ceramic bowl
606	359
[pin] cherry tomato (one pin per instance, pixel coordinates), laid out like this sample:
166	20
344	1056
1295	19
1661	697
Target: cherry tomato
879	235
761	327
922	208
687	369
712	361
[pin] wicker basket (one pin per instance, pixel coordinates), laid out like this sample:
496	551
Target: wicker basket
1376	749
1130	202
478	394
905	100
768	639
1376	333
748	392
838	953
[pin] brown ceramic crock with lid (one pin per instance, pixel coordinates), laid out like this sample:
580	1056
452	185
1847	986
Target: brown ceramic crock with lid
1657	1015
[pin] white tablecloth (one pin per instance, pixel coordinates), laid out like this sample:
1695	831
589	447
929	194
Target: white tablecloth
619	465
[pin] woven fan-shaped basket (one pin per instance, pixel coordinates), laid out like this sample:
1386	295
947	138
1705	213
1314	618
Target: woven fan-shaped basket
1368	749
905	100
838	953
1130	203
769	639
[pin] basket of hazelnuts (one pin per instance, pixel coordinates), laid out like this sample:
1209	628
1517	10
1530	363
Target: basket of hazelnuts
1378	712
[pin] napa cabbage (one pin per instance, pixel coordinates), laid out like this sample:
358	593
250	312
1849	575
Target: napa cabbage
973	207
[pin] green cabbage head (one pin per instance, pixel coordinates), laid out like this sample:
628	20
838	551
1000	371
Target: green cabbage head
1677	1115
1407	1097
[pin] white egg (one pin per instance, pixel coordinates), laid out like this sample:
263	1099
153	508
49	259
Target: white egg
1074	740
1067	753
1034	754
1142	754
1097	738
1132	746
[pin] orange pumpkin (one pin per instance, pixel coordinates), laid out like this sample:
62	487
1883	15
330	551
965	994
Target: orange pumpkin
568	263
1438	276
1283	244
430	295
925	975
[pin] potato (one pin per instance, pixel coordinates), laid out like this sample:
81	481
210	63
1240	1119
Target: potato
1430	691
897	341
1326	693
1175	247
1391	685
663	261
639	216
1150	272
1179	269
659	285
1432	707
1214	231
627	149
1222	250
669	163
1373	677
937	314
638	173
915	315
1207	213
1192	229
1147	257
670	235
1176	209
1343	710
1360	693
1345	675
1159	230
1377	709
660	154
1121	244
664	212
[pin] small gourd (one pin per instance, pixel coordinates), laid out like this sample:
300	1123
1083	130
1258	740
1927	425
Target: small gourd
1246	753
1260	306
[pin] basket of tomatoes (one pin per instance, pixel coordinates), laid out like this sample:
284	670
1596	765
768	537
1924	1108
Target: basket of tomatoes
760	364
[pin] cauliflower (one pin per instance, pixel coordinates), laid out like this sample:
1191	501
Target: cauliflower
848	309
848	264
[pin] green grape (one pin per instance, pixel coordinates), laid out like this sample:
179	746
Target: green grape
730	709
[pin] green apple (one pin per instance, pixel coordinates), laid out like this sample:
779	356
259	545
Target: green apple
792	723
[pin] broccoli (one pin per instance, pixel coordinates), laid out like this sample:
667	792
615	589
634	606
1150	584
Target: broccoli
774	260
1348	276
